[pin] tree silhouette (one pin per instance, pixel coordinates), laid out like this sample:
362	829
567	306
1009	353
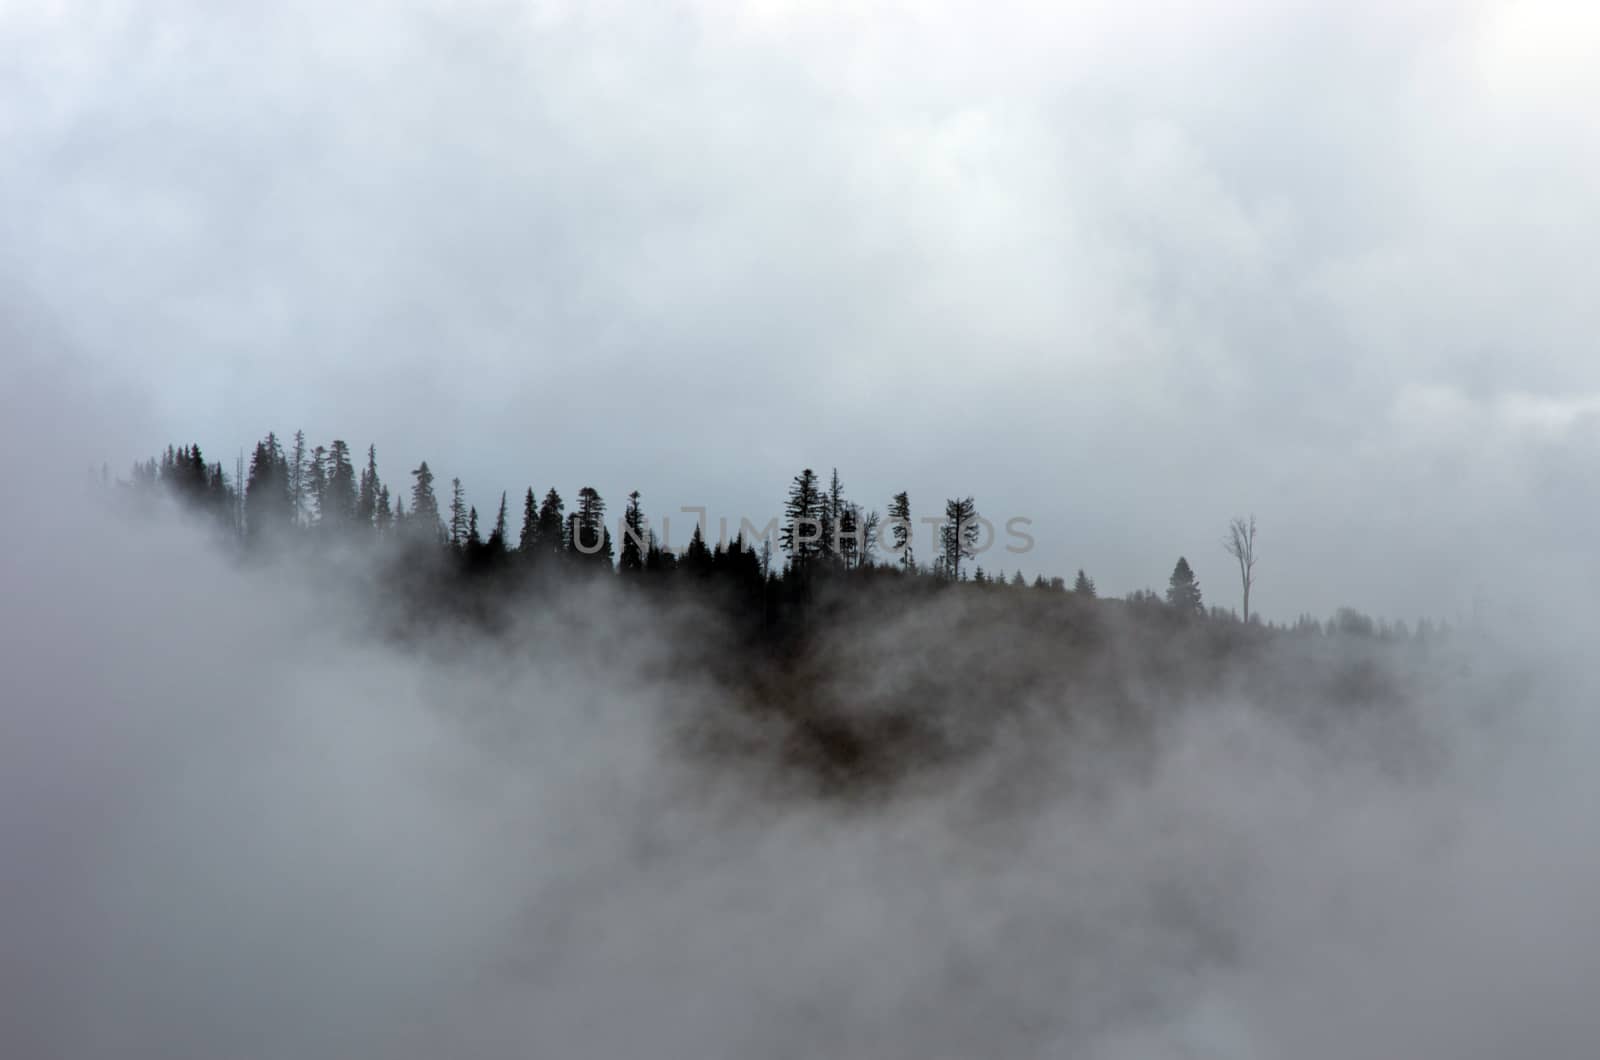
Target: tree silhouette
800	536
552	524
459	515
268	504
424	505
1183	591
590	540
901	528
959	535
530	524
633	536
497	536
1241	545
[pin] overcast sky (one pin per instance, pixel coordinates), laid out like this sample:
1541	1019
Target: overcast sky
1126	269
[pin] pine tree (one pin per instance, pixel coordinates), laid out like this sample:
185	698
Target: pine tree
424	517
530	524
552	524
697	557
1084	586
848	534
958	535
316	483
830	516
1183	591
268	505
803	519
497	537
297	477
632	556
589	539
383	518
339	503
367	498
458	515
900	520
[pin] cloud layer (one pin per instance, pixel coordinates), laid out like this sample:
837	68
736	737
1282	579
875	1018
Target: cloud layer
1125	270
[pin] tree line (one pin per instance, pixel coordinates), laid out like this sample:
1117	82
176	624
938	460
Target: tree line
316	493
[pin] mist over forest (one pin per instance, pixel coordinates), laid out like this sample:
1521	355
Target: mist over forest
820	530
321	788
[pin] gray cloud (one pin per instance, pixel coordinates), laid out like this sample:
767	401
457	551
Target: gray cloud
1158	266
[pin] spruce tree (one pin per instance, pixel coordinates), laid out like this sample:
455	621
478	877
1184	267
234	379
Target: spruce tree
297	477
552	524
458	515
590	539
339	505
1183	591
1084	586
697	557
367	498
268	505
959	534
424	516
803	519
316	483
530	524
632	556
900	518
497	537
830	516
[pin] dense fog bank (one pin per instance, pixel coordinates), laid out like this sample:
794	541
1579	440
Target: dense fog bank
242	818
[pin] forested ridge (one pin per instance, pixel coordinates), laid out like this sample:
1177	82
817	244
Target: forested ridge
874	657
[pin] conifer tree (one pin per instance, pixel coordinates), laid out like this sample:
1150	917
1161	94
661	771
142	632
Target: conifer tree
367	498
497	537
552	524
316	483
900	518
830	516
847	534
803	519
1084	586
424	516
297	477
632	556
1183	591
959	534
697	557
530	524
339	506
590	539
458	515
268	504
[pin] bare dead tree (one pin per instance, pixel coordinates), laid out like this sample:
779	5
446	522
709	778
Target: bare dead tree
1241	545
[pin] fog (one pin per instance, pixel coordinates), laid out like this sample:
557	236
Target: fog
238	820
1120	269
